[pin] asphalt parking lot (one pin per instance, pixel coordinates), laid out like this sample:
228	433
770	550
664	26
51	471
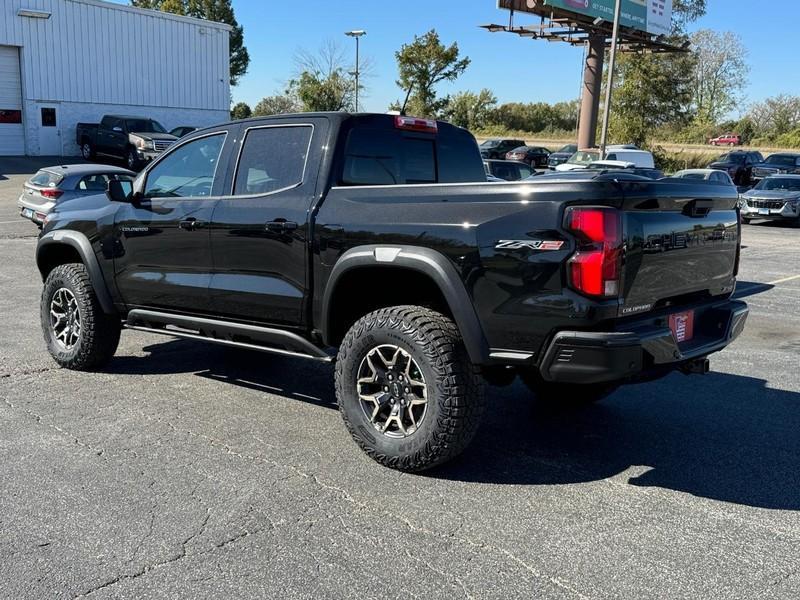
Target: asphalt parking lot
191	471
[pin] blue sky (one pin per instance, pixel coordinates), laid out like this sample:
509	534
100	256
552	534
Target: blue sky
516	69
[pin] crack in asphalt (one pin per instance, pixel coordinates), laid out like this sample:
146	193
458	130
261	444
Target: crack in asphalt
344	495
40	420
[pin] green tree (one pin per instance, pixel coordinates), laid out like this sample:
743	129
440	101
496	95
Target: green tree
278	104
241	110
655	90
471	110
220	11
776	116
720	73
422	65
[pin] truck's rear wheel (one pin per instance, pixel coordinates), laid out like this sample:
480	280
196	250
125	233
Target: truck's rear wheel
565	394
78	334
406	388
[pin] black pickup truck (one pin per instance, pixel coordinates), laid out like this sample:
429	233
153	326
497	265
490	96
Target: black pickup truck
375	242
136	140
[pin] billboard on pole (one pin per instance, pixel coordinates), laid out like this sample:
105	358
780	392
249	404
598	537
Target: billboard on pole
652	16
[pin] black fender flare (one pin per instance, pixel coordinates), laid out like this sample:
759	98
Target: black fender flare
427	262
83	246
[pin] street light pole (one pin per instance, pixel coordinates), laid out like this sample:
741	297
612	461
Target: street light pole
356	33
610	80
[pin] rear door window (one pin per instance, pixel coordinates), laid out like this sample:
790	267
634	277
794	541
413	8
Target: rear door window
272	159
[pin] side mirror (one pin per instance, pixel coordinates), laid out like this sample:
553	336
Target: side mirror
119	190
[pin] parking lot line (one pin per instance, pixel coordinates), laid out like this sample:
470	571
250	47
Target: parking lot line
9	222
784	280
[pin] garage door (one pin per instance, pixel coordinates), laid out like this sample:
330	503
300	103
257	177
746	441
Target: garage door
12	135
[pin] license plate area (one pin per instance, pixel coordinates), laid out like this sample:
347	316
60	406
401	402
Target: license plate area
682	326
27	213
763	211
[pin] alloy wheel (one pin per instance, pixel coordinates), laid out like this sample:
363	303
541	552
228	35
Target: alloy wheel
392	391
65	318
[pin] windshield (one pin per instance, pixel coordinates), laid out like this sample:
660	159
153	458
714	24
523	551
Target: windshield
692	176
146	126
733	157
568	149
779	184
490	144
782	160
583	157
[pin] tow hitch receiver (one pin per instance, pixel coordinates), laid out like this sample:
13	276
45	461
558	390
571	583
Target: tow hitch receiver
698	366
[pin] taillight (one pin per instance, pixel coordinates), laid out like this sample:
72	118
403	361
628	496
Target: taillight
52	193
416	124
595	267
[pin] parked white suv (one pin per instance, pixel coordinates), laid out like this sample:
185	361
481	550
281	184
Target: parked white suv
622	154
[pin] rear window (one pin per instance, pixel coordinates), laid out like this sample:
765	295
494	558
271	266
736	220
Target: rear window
46	179
376	156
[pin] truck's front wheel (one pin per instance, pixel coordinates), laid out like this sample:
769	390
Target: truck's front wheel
406	388
78	334
565	394
132	160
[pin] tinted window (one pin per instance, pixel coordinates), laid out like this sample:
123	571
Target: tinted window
189	170
144	126
272	158
386	157
458	157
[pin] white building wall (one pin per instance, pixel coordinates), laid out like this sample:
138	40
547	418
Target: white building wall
92	57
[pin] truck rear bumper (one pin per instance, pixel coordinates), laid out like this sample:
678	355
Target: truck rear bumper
586	357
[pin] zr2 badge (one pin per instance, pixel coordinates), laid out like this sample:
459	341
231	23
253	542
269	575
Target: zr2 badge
529	245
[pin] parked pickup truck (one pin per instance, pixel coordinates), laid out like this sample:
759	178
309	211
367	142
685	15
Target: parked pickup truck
136	140
374	241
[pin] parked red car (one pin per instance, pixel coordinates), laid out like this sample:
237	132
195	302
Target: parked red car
726	139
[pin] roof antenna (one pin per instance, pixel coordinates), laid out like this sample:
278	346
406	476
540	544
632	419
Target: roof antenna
408	95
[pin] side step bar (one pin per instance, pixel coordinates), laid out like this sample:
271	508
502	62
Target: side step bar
239	335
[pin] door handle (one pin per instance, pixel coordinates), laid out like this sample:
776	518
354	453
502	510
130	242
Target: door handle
191	224
281	226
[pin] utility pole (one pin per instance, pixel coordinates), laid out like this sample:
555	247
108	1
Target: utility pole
356	33
610	81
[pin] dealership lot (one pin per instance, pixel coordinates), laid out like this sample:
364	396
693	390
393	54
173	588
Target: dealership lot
186	470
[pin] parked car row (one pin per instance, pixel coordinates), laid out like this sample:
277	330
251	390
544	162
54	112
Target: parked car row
136	140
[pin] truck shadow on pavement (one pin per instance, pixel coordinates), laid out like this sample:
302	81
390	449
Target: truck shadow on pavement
720	436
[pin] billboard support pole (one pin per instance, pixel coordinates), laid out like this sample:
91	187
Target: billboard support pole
610	81
590	96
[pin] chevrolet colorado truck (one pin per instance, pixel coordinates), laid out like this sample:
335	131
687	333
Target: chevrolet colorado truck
374	241
136	140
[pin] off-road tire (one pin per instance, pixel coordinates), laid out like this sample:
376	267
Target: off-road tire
455	400
100	332
565	394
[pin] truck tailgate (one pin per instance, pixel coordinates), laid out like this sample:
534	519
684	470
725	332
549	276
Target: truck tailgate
679	247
